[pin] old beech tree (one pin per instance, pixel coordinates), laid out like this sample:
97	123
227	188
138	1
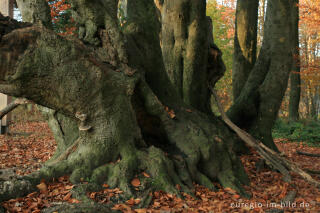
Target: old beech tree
259	83
133	98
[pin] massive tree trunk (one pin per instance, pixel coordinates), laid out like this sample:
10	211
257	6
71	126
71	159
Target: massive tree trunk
295	82
257	106
64	128
114	85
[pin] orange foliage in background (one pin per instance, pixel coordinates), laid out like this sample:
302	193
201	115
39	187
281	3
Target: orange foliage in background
61	17
309	29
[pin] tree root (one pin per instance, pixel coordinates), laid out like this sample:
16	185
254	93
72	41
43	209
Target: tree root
271	157
66	153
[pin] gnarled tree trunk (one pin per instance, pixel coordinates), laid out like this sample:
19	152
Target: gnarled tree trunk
64	128
113	82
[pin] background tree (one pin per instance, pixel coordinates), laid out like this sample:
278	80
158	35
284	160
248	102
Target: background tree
257	105
223	33
295	82
309	42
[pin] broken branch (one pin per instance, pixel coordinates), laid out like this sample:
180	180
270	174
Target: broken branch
280	163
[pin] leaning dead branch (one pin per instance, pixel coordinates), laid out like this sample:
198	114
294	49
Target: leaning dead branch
278	162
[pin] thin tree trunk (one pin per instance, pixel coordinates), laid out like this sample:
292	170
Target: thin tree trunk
295	82
245	43
257	106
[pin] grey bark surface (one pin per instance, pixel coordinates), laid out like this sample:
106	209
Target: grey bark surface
186	49
245	43
295	81
103	82
257	106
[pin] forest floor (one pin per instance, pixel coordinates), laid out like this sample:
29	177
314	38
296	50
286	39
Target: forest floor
31	143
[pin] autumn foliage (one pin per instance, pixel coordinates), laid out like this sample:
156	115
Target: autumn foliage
62	21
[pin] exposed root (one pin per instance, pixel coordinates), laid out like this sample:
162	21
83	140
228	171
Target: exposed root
15	188
66	153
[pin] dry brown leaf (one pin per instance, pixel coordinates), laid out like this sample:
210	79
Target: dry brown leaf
42	187
130	202
93	195
170	112
73	200
67	197
69	187
135	182
236	196
137	201
140	210
146	174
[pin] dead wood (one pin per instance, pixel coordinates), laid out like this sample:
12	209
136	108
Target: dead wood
273	158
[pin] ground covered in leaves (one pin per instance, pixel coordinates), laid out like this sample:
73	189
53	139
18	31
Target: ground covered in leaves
31	143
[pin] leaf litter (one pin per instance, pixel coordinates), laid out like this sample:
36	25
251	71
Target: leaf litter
26	153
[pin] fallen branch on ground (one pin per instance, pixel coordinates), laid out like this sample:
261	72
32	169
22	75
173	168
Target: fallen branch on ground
308	154
278	162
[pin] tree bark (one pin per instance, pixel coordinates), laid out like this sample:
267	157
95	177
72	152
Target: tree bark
129	116
186	48
64	128
257	106
295	82
245	43
35	11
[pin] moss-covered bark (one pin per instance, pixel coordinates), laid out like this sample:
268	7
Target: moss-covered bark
64	128
118	92
185	49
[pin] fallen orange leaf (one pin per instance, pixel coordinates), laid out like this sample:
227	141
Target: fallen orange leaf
140	210
42	187
146	174
67	197
135	182
130	202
